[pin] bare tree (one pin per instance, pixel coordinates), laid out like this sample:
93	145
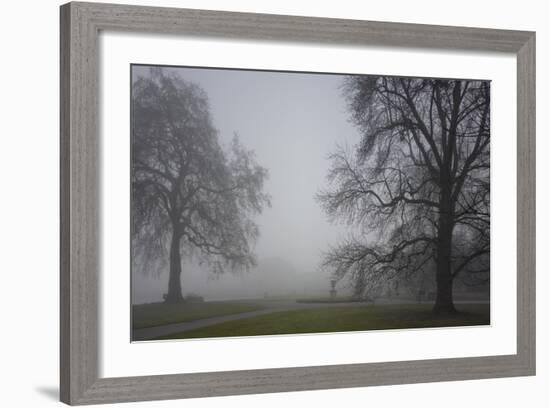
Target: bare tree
188	194
416	187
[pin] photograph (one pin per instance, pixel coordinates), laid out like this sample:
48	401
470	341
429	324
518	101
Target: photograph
287	203
270	204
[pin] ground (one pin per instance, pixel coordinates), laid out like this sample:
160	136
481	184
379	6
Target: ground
158	314
268	317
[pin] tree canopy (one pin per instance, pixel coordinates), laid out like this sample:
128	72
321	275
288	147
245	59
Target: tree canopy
189	194
416	187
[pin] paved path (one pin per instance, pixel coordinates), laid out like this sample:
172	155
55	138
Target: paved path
268	306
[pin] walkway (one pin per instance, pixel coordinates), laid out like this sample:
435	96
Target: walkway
268	306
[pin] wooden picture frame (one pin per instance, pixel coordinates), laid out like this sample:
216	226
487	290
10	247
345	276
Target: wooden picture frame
80	234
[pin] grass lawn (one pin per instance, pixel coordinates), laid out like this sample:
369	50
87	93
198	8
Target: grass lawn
340	319
158	314
328	299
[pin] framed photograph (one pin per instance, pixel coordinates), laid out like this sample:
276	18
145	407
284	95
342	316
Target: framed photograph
233	183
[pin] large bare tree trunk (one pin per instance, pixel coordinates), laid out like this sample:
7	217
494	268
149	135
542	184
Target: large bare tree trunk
444	278
174	283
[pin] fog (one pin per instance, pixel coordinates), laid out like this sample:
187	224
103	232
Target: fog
292	121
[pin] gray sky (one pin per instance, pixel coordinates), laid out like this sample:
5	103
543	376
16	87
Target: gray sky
292	121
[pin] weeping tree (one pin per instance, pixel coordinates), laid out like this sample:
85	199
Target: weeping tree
416	186
190	196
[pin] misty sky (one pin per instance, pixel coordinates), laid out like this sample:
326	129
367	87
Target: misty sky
292	121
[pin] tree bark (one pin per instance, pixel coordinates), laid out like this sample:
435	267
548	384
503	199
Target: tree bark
174	282
444	278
